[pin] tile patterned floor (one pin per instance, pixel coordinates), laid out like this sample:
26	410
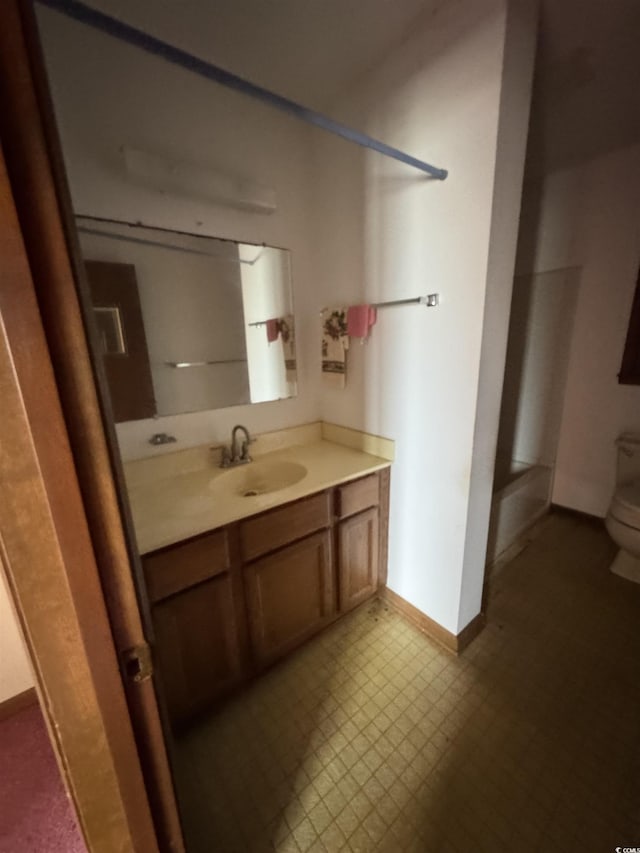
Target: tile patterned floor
372	738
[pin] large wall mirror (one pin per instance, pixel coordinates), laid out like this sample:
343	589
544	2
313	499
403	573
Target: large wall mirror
177	311
188	323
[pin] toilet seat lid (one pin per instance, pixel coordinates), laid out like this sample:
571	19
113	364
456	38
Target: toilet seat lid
626	504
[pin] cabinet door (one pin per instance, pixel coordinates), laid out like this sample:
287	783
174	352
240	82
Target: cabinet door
358	549
197	647
290	595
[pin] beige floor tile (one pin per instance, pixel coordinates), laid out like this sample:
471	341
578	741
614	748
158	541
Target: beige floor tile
373	738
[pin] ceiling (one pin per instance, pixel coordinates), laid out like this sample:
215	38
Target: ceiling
306	50
586	97
587	82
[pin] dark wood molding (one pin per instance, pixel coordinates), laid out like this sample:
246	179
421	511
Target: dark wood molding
630	368
469	632
455	643
52	576
18	703
36	177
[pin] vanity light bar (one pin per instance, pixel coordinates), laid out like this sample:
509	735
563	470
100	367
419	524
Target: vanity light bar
187	179
133	36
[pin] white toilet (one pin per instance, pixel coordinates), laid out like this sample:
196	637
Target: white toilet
623	518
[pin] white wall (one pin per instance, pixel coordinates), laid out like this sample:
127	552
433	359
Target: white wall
589	217
107	95
515	100
383	232
371	230
15	669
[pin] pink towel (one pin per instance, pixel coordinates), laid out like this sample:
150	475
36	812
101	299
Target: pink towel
360	318
273	330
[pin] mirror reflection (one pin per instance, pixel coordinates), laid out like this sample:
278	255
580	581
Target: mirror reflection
188	323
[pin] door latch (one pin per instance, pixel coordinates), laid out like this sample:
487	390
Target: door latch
137	663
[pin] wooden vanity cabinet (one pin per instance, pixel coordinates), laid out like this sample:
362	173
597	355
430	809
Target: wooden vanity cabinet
227	604
198	612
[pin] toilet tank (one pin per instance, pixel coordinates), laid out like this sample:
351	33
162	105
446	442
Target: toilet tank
628	445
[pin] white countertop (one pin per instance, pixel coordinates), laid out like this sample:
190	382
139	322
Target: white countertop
171	508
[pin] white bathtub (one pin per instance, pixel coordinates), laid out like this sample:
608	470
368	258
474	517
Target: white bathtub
521	495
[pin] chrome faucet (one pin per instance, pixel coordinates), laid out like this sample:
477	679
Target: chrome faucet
233	456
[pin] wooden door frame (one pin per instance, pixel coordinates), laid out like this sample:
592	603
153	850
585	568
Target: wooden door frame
46	345
48	557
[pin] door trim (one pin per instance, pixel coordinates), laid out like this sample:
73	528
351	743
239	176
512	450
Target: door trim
52	575
36	177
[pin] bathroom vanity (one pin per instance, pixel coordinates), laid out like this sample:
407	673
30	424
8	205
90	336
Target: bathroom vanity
230	601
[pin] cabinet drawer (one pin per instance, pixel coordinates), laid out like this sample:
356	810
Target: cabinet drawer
174	569
273	529
358	496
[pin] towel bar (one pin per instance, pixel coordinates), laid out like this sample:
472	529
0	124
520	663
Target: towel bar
431	300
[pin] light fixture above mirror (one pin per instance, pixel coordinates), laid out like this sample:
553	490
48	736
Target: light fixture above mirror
179	177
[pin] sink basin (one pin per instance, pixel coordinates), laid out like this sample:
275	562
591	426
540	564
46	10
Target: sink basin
259	478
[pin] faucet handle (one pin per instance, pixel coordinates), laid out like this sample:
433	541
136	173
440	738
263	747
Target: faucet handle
225	457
